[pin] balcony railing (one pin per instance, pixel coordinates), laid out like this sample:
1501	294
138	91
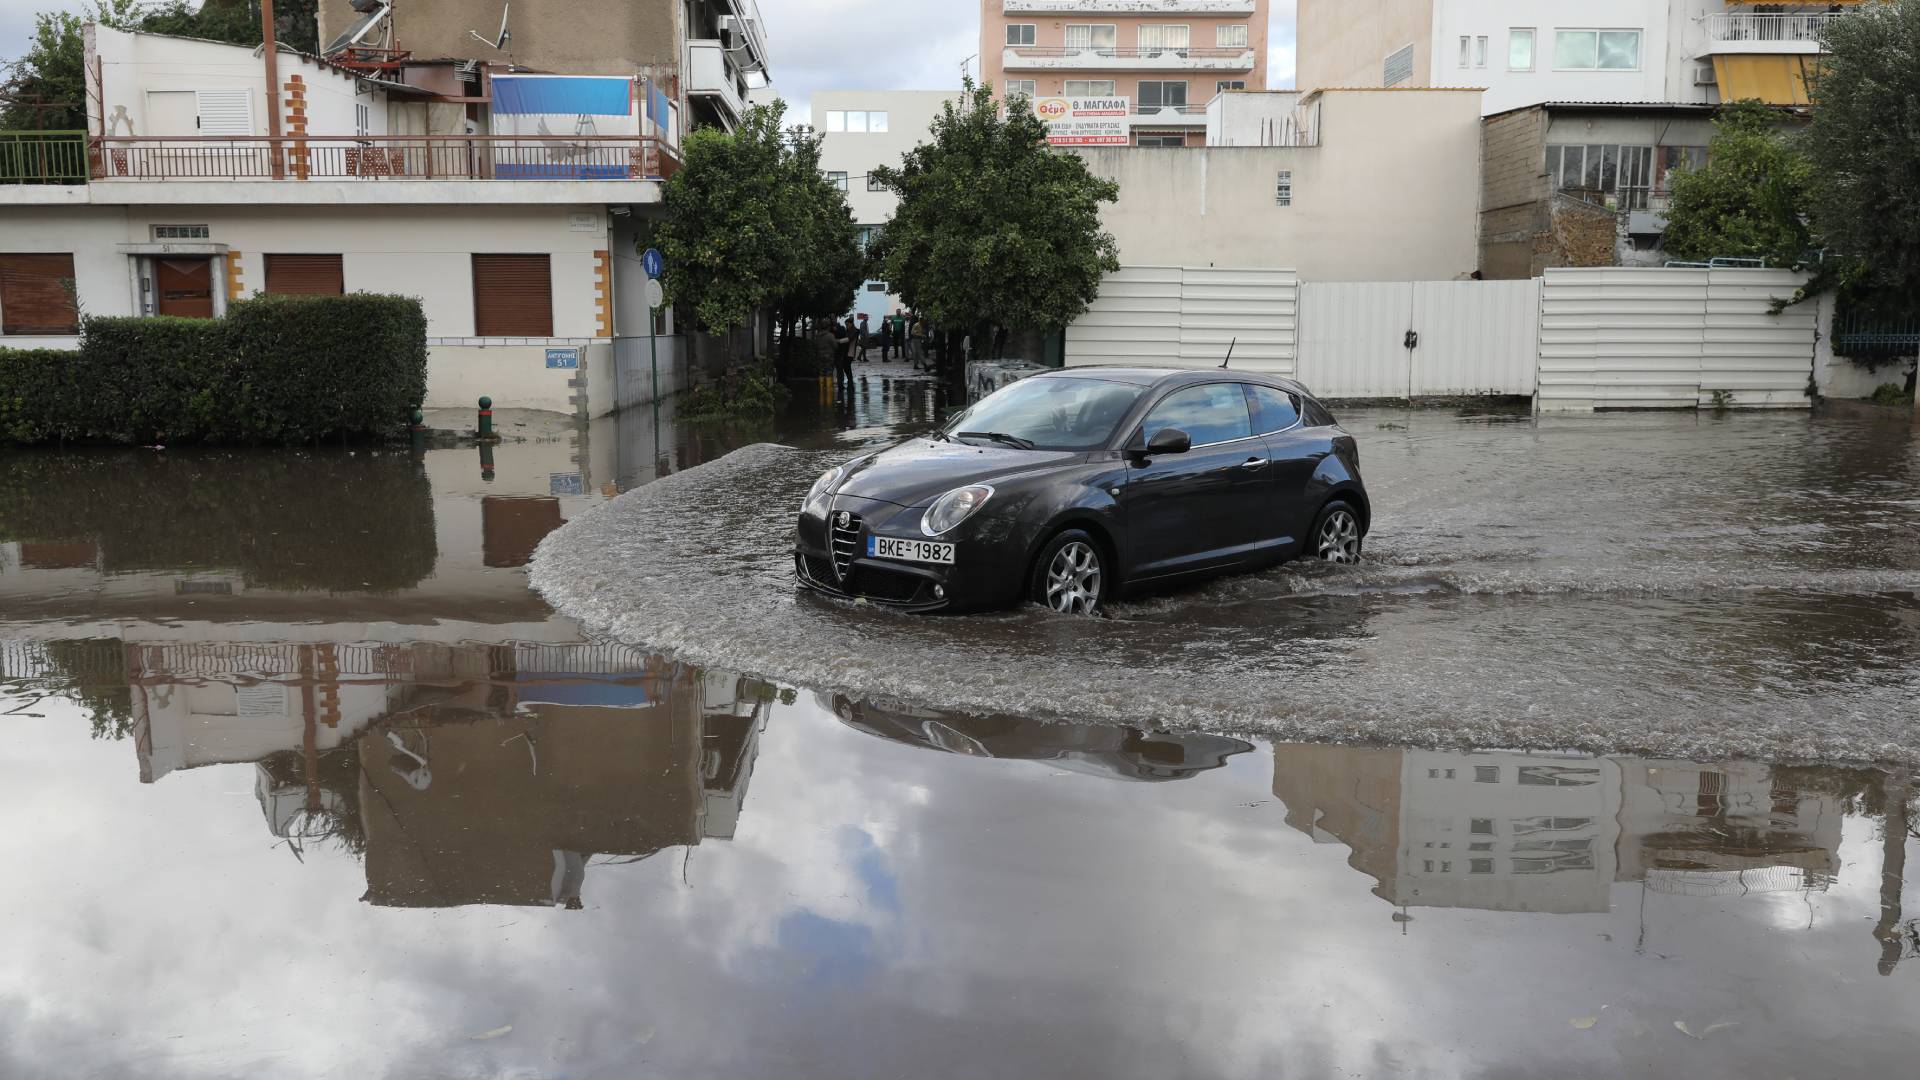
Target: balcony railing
1769	29
1127	7
381	157
1026	57
43	157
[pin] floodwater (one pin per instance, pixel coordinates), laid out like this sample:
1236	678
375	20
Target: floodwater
303	779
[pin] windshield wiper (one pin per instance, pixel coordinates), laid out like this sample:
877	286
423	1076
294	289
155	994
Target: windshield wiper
1014	441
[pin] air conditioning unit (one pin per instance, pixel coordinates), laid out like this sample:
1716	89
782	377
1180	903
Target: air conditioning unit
1704	76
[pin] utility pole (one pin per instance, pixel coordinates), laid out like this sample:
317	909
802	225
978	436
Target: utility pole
272	48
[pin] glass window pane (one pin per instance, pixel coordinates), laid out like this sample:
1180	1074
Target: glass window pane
1273	411
1104	36
1079	36
1213	413
1520	50
1232	37
876	121
1620	50
857	121
1466	50
1175	94
836	121
1480	52
1576	49
1150	95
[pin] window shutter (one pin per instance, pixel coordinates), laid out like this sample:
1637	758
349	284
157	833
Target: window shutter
512	296
225	112
305	275
35	296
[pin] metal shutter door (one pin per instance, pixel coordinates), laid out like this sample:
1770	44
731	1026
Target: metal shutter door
305	275
226	112
35	296
512	296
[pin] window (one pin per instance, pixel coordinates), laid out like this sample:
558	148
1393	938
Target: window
867	234
225	112
874	183
1557	776
855	122
1479	866
1283	188
1520	50
1022	88
1225	85
305	275
877	286
1466	51
1101	36
181	232
37	294
837	179
1019	33
1482	845
1481	826
1088	88
1527	826
1486	774
1480	51
1160	140
1164	36
1473	51
362	118
1398	68
1231	36
512	296
1596	50
1274	410
1213	413
1163	95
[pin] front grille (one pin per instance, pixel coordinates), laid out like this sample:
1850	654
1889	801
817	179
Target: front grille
884	586
844	541
819	569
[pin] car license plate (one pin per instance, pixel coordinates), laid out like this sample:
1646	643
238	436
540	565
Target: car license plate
893	547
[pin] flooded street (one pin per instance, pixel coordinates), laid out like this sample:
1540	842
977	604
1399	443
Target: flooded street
1600	766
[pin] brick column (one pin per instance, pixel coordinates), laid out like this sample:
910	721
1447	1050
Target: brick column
298	162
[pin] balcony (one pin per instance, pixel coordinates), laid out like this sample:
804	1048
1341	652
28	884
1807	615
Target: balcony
1127	7
1170	115
1750	34
713	78
379	159
1040	58
43	157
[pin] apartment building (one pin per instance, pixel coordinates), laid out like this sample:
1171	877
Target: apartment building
862	129
708	55
1525	52
1165	58
184	195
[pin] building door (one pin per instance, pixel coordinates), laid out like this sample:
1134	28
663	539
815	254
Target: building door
173	112
185	287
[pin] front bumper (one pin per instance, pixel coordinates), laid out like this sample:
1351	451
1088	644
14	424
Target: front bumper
832	561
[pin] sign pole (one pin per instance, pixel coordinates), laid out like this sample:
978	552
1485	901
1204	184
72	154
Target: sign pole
652	262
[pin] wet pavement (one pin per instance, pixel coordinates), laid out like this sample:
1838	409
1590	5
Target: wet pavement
304	780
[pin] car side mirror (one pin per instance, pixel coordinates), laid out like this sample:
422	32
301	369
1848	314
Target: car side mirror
1169	441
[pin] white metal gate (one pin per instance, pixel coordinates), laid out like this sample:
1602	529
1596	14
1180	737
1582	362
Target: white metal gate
1188	316
1672	338
1418	338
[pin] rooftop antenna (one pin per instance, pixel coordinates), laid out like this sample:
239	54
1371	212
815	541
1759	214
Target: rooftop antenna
499	41
1229	359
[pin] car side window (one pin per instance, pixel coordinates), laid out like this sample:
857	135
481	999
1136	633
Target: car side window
1317	415
1214	413
1273	410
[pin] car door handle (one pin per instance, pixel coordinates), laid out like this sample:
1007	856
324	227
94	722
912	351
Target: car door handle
1254	463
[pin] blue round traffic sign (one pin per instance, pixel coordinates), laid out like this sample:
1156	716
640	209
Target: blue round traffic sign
653	263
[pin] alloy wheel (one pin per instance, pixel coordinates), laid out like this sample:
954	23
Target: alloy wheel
1340	538
1073	579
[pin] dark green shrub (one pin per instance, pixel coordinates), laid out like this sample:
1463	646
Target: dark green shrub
740	392
274	370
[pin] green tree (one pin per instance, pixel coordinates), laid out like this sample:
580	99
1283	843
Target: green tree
1751	199
1864	144
995	230
751	222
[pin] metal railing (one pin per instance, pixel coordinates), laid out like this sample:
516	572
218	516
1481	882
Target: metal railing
1104	52
1737	26
1183	110
382	157
43	157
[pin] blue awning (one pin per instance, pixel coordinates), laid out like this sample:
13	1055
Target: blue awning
569	95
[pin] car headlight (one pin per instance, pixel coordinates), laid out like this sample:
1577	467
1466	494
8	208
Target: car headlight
954	507
823	485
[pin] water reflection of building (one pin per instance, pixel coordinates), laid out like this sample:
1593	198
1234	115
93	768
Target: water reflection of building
1097	749
1552	833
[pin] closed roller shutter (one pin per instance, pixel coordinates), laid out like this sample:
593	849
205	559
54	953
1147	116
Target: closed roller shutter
512	296
305	275
36	295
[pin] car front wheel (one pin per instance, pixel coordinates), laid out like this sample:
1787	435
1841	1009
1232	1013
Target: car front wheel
1336	536
1070	575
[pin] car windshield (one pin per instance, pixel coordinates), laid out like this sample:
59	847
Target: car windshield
1045	413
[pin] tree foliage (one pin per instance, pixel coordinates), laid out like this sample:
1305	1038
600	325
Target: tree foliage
45	89
994	228
751	222
1864	145
1752	198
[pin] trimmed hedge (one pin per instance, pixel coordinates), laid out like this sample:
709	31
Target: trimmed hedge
276	369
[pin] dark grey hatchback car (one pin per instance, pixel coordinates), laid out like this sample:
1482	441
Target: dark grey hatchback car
1071	487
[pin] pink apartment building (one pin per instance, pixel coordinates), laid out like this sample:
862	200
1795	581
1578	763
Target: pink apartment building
1167	57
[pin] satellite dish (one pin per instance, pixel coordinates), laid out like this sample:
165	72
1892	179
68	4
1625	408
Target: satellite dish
372	12
500	40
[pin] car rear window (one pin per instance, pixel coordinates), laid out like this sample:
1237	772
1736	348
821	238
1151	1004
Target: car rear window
1273	410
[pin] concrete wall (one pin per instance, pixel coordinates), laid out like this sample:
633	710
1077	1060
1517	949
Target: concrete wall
1389	194
1347	42
1507	89
571	37
910	113
133	65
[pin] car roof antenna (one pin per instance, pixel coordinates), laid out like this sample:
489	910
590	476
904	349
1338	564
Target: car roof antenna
1229	359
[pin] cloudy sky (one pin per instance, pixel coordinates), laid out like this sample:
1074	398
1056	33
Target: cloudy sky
821	44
